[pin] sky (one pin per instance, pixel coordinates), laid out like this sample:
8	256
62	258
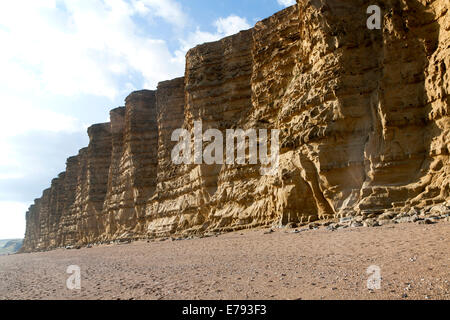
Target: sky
65	63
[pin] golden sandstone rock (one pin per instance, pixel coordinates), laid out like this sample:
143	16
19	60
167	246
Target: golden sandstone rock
363	114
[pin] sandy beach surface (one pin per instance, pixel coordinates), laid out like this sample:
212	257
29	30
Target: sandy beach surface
413	261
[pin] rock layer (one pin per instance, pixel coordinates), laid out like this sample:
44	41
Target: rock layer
363	115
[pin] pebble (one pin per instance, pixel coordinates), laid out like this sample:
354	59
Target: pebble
313	226
371	223
332	227
356	224
429	221
346	219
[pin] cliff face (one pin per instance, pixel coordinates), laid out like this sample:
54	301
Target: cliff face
363	114
133	169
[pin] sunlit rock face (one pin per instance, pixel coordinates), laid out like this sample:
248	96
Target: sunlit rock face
363	116
133	170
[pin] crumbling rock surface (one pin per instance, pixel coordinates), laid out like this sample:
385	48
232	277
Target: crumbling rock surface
363	115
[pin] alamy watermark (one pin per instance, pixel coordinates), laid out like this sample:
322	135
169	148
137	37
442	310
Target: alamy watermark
374	281
189	150
374	21
74	281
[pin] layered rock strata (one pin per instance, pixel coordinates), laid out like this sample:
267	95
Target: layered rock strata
363	116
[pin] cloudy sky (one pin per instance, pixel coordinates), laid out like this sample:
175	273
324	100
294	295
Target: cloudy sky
65	63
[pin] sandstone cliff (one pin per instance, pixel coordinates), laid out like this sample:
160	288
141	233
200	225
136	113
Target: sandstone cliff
363	114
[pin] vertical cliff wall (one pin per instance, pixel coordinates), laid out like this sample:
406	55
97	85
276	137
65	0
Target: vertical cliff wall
113	202
135	176
164	208
363	115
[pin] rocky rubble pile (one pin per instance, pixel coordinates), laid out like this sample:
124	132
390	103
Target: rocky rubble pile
428	215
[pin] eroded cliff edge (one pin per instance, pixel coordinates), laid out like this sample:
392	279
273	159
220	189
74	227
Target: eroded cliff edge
363	114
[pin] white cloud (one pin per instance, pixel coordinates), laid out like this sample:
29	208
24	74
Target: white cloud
167	9
286	3
21	116
83	47
231	25
224	27
12	217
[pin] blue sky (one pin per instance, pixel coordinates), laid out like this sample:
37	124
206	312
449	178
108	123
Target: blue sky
65	63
